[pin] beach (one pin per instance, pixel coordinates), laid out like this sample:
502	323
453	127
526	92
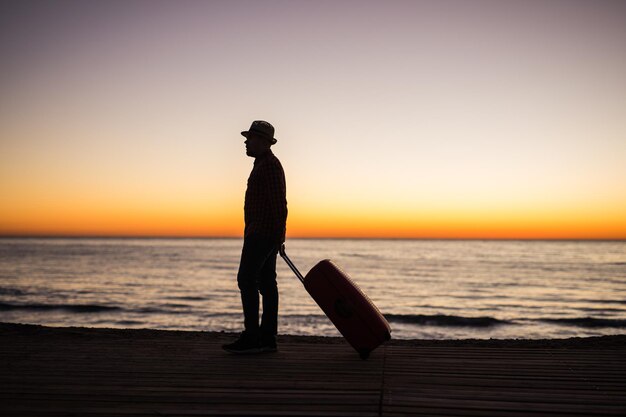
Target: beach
53	371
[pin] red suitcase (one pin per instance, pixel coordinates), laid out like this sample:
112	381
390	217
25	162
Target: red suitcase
350	310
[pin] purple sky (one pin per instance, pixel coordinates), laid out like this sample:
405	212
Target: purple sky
466	108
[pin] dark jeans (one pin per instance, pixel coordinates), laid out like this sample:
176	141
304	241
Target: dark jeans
257	273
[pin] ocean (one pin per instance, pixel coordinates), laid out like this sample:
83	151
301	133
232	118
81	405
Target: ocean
427	289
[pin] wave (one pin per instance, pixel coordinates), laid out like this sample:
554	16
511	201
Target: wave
445	320
12	291
622	302
187	298
438	320
587	322
129	323
75	308
460	321
95	308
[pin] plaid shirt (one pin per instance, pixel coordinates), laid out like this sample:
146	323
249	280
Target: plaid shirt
265	209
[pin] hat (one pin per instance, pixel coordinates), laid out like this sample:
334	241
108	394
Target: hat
261	128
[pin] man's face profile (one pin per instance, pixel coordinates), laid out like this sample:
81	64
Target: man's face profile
256	145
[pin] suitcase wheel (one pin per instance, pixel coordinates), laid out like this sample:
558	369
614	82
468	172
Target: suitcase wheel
364	354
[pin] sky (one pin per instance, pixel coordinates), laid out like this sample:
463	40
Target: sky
396	119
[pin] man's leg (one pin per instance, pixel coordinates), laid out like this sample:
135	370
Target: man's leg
269	291
258	259
254	256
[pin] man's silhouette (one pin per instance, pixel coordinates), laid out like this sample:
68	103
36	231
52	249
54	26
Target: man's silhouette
265	214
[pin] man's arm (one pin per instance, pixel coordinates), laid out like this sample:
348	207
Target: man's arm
274	207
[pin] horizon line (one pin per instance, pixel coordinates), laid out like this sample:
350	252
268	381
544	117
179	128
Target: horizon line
207	237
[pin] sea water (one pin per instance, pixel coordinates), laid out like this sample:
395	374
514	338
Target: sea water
432	289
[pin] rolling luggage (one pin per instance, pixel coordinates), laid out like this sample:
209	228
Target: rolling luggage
350	310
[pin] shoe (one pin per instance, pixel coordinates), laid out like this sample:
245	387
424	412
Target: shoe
268	344
246	344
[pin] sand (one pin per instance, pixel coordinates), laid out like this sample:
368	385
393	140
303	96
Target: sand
47	371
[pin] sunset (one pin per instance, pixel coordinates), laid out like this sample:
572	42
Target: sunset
398	120
312	207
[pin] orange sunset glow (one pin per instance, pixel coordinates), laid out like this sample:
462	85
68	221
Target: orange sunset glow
447	120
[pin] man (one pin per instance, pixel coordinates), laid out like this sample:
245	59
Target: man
265	214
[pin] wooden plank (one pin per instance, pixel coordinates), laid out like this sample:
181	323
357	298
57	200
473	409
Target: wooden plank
453	381
100	372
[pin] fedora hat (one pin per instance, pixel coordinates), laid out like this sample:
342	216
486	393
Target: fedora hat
261	128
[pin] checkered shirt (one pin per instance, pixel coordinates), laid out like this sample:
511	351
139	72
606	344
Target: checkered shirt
265	209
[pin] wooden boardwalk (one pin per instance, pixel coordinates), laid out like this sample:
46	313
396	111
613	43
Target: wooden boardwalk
106	372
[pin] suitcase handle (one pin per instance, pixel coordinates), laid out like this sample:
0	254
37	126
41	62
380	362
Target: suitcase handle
283	255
